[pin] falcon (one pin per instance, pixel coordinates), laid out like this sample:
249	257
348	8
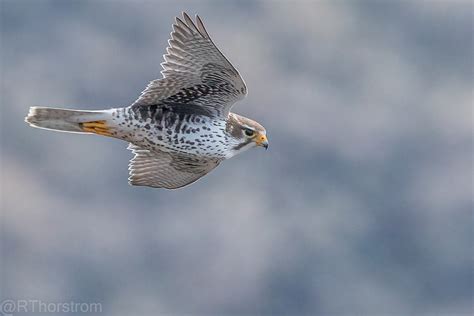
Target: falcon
180	128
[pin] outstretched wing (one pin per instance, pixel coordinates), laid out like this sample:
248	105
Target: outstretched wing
195	72
160	169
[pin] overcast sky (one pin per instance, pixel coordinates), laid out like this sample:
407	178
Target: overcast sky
362	204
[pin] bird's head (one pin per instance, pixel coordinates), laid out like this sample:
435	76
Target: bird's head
245	133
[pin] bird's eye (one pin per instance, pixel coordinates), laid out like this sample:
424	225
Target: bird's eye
249	132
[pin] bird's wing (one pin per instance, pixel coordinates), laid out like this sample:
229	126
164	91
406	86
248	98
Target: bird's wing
160	169
195	72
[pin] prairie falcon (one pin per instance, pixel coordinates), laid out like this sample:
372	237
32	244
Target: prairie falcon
181	127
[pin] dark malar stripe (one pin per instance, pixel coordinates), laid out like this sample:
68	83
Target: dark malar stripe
241	145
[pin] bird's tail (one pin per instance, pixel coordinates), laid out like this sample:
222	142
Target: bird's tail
72	121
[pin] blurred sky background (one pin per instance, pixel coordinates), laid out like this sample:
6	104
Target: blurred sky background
362	204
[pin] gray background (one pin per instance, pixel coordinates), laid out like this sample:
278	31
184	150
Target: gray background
362	204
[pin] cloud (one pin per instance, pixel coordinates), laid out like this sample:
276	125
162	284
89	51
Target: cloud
362	203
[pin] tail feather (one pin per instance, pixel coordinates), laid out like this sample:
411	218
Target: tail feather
73	121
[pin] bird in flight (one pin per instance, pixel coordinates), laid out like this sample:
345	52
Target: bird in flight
180	128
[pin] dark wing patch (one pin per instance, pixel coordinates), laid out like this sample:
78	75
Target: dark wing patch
195	72
160	169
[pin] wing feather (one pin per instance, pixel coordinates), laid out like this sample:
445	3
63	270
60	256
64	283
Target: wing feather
193	60
160	169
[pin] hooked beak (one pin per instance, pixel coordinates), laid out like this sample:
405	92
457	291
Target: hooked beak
261	140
